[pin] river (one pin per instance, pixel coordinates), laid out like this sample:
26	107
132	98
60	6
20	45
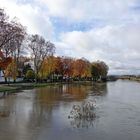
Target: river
42	113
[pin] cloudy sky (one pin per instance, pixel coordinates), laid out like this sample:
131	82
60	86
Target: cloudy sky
107	30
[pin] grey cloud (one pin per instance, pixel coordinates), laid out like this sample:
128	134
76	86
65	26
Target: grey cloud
118	46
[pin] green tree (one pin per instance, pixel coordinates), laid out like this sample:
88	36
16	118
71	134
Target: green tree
30	75
95	71
26	68
99	70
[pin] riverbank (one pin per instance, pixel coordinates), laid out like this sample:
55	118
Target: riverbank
12	87
21	86
6	88
137	79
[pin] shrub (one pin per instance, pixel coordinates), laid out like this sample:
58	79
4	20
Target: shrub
30	74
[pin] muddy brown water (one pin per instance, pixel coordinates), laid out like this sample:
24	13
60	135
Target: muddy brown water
42	113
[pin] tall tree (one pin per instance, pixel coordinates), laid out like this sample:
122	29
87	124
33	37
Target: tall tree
95	71
104	68
99	69
67	66
47	68
40	49
11	70
80	68
4	62
12	34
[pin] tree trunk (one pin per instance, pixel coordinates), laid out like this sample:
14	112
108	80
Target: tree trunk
36	74
5	78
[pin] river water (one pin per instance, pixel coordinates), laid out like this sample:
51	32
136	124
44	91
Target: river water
42	113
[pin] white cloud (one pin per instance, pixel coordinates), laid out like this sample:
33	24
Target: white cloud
86	10
118	46
31	16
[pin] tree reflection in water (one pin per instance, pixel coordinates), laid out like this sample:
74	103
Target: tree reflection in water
4	112
83	116
98	89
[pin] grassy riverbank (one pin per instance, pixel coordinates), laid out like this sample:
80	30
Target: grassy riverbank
21	86
5	88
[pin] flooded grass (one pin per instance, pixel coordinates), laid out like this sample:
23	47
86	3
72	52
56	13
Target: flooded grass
8	88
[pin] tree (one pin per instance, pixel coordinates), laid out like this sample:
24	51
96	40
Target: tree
4	62
87	67
40	49
26	68
95	71
11	70
81	68
99	70
12	34
47	68
30	75
23	65
67	66
59	66
104	68
63	67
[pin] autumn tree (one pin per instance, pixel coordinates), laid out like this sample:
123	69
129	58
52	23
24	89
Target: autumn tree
87	67
47	69
12	34
40	50
67	66
81	68
59	66
56	66
4	62
11	70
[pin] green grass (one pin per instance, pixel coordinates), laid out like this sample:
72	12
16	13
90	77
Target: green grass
5	88
22	86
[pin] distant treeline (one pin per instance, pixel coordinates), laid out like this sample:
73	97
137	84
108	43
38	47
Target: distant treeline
66	68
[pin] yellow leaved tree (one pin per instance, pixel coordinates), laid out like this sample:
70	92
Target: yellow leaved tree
11	71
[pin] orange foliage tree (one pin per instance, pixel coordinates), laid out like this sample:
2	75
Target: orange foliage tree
81	68
66	68
4	62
